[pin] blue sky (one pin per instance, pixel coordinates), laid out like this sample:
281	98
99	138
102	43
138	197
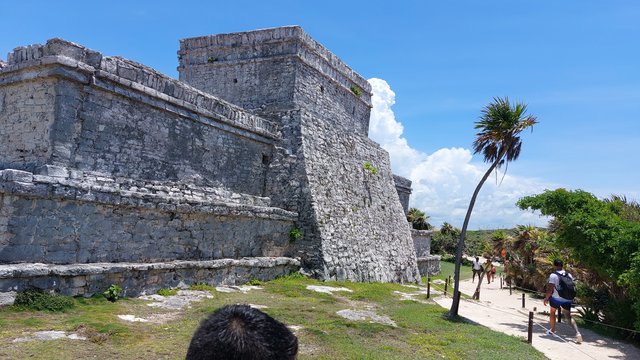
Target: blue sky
575	63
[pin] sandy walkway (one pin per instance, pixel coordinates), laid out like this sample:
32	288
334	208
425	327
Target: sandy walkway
502	312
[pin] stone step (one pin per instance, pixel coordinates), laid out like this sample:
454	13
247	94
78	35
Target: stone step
140	278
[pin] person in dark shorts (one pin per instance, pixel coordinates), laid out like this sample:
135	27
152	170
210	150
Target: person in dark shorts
556	301
476	267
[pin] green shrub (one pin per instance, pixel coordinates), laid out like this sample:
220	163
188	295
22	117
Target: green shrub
167	292
112	293
38	300
356	90
370	168
254	282
295	234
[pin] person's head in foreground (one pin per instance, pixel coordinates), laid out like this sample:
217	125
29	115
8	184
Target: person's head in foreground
240	332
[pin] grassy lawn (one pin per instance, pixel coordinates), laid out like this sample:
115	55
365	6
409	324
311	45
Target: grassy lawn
421	332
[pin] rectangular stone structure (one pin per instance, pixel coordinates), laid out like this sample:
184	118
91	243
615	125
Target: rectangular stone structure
265	135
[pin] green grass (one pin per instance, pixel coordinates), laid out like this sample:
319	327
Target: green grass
447	269
421	333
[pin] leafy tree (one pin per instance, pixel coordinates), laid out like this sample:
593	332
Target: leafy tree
444	242
418	219
498	139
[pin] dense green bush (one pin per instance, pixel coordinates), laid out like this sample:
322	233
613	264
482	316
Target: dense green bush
112	293
38	300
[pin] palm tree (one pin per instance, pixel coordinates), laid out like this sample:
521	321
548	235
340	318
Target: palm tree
418	219
448	229
498	139
525	242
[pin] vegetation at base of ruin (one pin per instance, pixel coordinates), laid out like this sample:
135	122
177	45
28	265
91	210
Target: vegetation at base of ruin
295	234
356	90
203	287
421	332
254	282
167	292
212	60
112	293
498	139
418	219
37	300
370	168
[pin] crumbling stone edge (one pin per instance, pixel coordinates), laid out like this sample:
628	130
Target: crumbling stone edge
141	278
59	182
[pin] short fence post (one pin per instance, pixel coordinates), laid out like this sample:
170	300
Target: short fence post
500	282
530	329
523	300
509	288
428	288
446	283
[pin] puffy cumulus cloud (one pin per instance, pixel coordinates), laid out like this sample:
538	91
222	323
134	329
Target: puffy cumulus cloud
444	181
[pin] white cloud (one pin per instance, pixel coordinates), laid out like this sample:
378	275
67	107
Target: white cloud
444	181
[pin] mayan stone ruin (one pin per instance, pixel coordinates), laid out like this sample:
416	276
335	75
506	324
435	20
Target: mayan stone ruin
255	163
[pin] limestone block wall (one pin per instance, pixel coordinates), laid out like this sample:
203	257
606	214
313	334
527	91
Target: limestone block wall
422	242
403	187
88	219
277	69
27	114
121	118
364	232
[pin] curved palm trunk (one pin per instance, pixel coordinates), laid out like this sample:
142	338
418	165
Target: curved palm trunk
453	312
476	295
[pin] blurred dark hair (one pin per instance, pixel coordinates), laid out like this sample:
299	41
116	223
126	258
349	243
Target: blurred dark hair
557	262
240	332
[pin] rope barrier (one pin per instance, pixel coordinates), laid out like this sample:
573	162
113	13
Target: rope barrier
582	318
607	325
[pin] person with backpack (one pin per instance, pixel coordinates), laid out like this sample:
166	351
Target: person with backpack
561	290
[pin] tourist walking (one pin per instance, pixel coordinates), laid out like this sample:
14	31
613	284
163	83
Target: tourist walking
476	267
561	291
487	268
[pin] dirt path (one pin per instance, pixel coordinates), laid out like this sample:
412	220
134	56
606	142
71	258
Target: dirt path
503	312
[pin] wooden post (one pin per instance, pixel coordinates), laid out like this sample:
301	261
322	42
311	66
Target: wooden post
428	288
446	283
530	328
500	282
523	300
509	288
